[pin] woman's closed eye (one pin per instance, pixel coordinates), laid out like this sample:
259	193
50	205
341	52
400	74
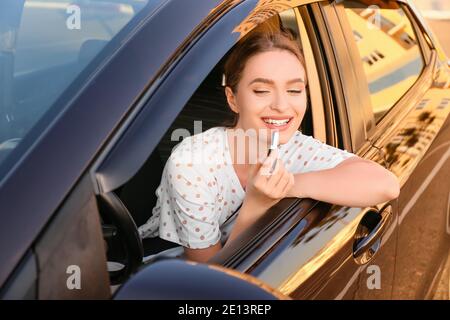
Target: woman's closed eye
261	91
265	92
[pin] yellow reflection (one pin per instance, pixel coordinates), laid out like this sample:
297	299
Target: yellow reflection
322	256
389	51
264	10
250	279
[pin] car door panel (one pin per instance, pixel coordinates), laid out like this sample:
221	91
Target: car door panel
361	127
315	259
416	150
318	262
22	285
377	277
71	251
411	141
309	247
309	254
420	152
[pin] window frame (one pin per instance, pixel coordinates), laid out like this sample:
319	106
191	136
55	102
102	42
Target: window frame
316	102
425	44
342	77
126	151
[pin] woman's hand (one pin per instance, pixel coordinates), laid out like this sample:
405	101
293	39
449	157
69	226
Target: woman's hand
265	187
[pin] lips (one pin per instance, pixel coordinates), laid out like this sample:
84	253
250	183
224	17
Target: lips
277	122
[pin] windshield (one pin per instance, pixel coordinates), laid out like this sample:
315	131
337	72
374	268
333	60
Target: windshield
44	46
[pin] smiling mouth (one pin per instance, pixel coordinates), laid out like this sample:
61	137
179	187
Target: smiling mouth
277	122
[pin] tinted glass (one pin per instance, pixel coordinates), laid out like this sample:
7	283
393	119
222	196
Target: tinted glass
389	50
44	47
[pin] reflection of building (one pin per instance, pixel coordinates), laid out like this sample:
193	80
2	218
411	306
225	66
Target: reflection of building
416	136
264	10
389	51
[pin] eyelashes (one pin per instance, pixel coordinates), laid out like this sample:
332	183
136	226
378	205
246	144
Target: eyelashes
260	91
264	92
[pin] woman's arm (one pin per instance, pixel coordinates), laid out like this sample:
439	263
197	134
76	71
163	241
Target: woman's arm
355	182
247	215
202	255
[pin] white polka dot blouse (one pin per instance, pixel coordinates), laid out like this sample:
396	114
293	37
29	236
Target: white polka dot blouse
199	187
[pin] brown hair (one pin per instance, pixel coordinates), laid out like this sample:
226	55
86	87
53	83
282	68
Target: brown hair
256	42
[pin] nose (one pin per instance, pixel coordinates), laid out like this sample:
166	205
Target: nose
280	102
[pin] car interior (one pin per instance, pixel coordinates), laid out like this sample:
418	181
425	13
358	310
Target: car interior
208	104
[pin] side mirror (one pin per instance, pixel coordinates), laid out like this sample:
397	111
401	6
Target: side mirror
175	279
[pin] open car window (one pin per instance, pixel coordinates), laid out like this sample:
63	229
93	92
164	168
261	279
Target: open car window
207	108
202	105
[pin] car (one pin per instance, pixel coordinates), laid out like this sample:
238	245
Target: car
93	101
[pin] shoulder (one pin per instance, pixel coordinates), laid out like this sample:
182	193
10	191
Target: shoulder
304	153
303	141
299	140
196	154
207	140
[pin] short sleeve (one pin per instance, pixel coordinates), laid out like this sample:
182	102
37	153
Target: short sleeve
305	154
188	206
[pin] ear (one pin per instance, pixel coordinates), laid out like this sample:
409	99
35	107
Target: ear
231	99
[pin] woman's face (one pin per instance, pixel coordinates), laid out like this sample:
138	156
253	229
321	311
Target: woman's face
271	94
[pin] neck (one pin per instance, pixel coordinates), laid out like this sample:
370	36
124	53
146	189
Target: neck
246	147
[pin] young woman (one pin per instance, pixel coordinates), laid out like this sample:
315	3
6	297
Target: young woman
209	176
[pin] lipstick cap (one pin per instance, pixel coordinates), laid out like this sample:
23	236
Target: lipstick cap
275	140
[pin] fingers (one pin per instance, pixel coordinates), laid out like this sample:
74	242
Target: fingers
255	168
276	184
283	184
269	166
277	175
289	184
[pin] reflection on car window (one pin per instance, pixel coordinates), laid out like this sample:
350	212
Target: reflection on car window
44	46
390	54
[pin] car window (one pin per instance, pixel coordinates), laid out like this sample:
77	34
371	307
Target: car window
44	47
206	108
390	54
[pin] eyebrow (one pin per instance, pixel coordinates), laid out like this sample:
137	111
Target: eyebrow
268	81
